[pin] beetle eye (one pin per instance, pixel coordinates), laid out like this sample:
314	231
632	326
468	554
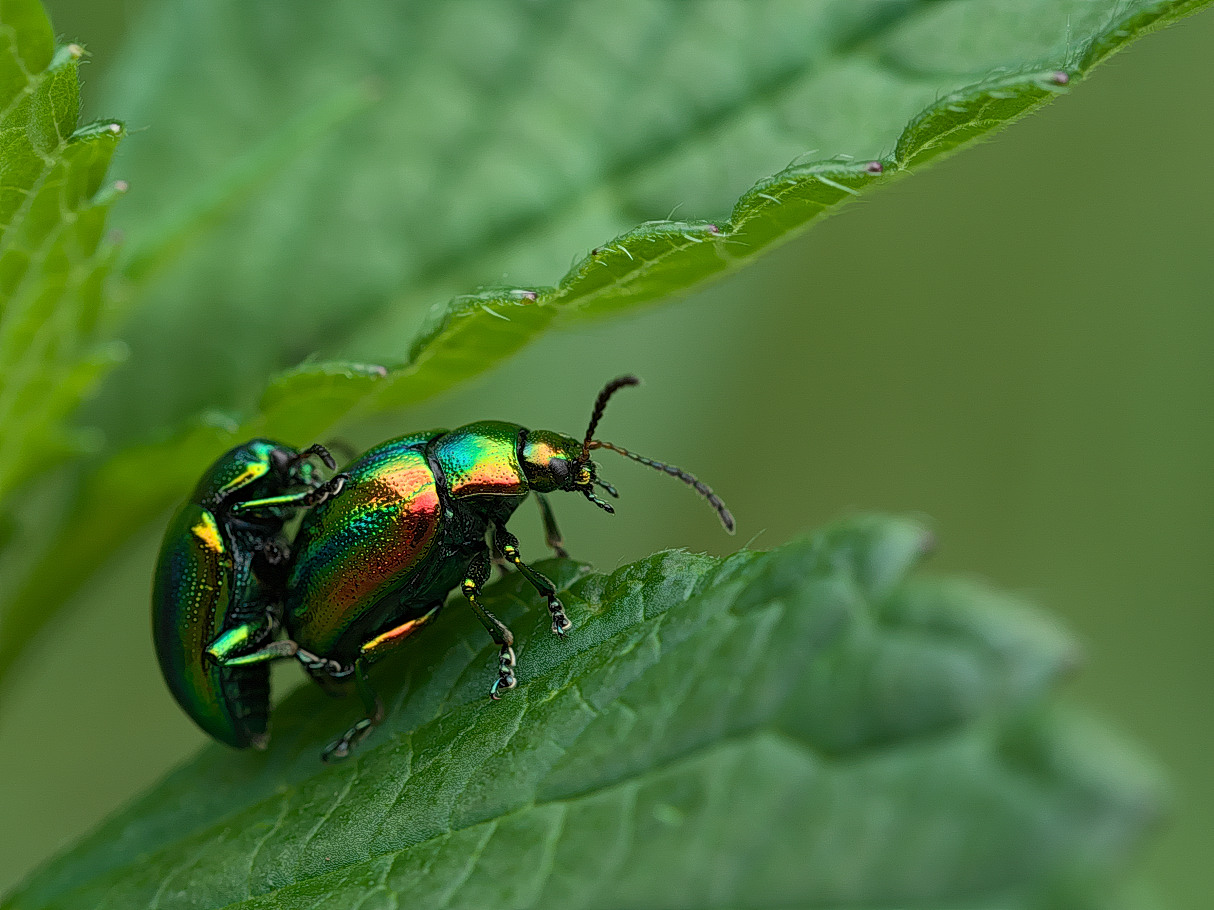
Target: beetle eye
559	469
281	460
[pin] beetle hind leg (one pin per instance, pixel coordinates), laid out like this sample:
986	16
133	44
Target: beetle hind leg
478	574
507	543
340	748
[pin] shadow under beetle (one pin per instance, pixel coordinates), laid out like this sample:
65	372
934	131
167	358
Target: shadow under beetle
218	583
372	566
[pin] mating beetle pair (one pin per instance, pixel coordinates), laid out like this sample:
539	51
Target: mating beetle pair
381	546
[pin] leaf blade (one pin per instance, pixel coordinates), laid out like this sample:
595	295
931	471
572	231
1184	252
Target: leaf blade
841	732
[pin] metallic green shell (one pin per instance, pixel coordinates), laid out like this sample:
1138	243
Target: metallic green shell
197	588
357	548
235	469
481	459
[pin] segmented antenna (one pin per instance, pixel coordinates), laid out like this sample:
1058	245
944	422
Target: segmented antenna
599	404
690	479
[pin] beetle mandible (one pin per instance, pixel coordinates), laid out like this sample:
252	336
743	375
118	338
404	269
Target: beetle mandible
218	580
371	567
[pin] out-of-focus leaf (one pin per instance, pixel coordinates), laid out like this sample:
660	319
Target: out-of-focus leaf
355	169
805	727
53	207
314	181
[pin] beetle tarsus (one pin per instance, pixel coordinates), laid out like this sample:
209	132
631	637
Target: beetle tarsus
322	664
505	672
340	749
560	622
326	490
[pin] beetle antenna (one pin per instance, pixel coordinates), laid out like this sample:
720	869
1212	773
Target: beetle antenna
690	479
599	404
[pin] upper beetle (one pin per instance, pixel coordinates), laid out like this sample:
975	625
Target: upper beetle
372	566
218	583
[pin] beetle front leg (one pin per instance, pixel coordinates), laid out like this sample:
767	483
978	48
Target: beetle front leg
507	543
478	574
313	496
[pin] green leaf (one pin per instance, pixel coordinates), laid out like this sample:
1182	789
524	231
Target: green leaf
54	344
812	726
354	170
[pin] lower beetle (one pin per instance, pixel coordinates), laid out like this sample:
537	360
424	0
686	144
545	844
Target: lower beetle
374	565
218	583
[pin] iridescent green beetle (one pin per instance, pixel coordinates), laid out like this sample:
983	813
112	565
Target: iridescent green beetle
374	565
218	583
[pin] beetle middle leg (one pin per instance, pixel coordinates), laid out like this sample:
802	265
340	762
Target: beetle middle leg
313	496
507	543
478	574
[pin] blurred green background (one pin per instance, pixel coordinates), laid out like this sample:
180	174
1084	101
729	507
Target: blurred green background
1016	343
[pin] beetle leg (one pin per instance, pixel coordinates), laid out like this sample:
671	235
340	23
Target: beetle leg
509	547
498	561
552	534
310	497
226	650
389	641
275	650
478	574
340	748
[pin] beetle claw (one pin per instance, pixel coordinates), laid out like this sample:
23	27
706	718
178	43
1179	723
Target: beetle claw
504	681
337	750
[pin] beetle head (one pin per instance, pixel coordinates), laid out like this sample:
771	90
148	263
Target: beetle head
291	467
553	461
561	463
